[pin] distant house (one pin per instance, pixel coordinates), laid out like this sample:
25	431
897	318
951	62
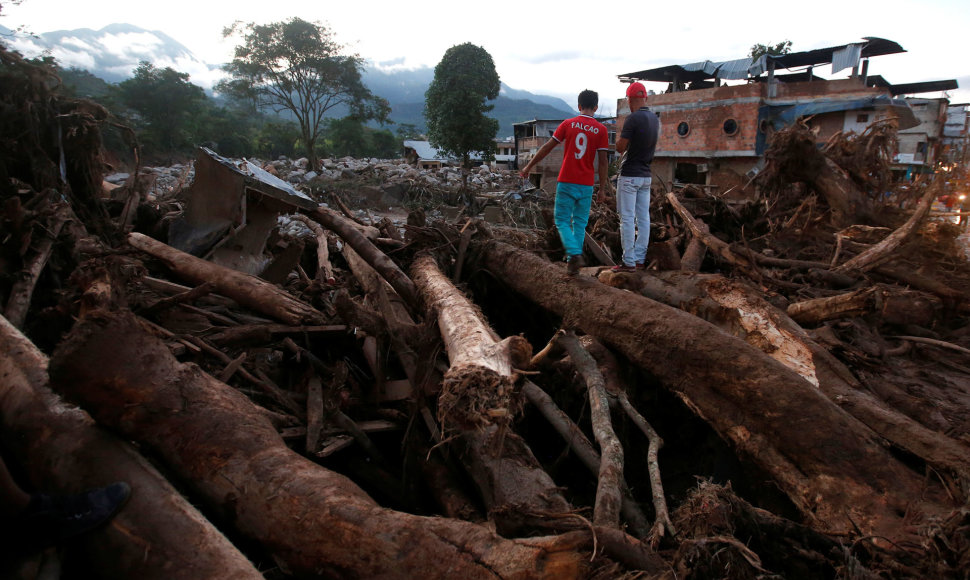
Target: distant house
423	155
956	134
919	147
715	135
505	153
531	135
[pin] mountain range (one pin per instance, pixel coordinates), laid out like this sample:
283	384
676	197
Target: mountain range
113	52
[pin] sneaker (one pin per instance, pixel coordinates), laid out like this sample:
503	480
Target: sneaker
641	266
49	519
623	268
575	263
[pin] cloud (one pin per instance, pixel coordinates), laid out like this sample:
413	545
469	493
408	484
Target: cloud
391	63
25	46
74	58
130	43
77	42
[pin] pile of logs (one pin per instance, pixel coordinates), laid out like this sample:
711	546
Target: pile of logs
444	402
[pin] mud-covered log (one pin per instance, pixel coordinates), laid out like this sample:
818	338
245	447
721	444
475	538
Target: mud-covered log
478	399
516	491
831	466
894	305
883	250
314	521
479	385
23	289
158	535
247	290
741	311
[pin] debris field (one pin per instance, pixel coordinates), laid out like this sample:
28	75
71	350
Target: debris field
352	374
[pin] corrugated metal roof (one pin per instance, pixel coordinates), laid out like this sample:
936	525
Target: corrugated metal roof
425	151
844	56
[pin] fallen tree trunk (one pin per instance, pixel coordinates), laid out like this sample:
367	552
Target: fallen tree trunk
739	310
883	250
247	290
479	386
479	401
158	534
315	522
895	305
831	466
23	289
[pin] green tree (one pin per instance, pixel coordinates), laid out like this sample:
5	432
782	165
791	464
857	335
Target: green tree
456	104
407	131
386	144
347	137
297	66
165	105
783	47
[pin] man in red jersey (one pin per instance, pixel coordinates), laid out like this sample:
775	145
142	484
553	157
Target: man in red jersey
585	139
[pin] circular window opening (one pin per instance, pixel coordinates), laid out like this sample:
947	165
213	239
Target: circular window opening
730	127
683	129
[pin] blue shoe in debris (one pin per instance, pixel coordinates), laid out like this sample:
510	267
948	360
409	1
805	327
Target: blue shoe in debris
50	519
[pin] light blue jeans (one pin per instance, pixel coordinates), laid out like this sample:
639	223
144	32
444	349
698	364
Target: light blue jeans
571	214
633	205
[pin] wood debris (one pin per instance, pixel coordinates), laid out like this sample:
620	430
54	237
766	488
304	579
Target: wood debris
784	393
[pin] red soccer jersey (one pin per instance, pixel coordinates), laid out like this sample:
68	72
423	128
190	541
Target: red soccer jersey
583	137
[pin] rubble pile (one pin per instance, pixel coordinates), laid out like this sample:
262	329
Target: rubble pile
316	389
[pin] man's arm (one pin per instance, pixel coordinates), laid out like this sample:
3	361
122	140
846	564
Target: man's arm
622	144
539	156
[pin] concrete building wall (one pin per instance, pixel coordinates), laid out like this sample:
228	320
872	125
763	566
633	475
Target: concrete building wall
720	126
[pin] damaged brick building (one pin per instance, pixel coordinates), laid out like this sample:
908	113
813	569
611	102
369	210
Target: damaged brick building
715	135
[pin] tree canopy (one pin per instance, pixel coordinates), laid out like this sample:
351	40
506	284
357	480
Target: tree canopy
297	66
783	47
456	103
166	102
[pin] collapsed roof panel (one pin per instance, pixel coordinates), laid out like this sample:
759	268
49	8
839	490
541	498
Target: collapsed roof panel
841	57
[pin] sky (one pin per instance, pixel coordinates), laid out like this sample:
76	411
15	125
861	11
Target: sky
558	48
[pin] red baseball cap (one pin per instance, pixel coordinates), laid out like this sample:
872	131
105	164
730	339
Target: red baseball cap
636	90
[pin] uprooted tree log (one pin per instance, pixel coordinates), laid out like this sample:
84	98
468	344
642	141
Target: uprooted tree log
479	400
312	520
794	156
247	290
739	310
158	534
831	466
883	250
